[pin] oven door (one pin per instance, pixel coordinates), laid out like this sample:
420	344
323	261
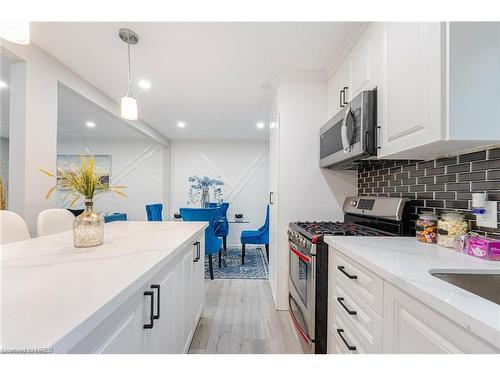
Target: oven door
302	298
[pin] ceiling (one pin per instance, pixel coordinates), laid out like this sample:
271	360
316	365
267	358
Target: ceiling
74	111
215	77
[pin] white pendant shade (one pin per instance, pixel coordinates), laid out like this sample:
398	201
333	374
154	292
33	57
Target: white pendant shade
129	108
15	32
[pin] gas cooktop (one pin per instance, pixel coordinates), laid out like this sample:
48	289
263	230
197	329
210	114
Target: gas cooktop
311	229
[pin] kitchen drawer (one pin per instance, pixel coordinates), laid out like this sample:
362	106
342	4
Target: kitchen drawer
349	337
363	283
362	321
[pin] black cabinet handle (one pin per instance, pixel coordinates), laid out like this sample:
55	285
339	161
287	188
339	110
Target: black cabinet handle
151	315
341	301
350	347
342	269
271	197
341	99
198	252
157	287
344	90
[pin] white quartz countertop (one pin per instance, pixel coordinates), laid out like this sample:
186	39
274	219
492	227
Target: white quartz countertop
53	294
405	263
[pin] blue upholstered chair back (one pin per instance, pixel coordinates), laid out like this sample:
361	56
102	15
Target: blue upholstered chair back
222	226
154	212
212	242
264	230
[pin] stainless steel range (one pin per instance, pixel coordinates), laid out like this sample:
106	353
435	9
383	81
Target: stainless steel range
308	279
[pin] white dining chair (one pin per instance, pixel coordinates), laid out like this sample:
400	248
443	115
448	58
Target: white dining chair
12	228
54	220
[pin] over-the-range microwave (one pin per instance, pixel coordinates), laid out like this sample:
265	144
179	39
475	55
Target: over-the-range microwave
350	136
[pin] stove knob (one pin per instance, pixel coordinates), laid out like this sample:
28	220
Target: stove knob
354	203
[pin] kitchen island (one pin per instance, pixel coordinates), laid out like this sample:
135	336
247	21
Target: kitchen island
383	298
139	292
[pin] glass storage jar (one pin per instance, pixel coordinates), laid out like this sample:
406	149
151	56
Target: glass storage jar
88	227
426	227
451	229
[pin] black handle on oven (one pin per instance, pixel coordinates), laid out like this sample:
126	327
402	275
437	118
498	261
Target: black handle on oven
342	269
341	301
151	312
340	98
350	347
157	287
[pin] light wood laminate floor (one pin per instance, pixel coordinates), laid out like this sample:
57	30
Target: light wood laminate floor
239	317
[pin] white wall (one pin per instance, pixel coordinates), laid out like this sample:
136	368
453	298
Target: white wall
242	165
4	162
136	164
305	191
36	133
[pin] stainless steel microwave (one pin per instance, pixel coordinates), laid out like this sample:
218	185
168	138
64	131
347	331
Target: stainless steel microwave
350	135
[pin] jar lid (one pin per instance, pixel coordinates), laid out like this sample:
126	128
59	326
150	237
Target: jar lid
453	215
427	215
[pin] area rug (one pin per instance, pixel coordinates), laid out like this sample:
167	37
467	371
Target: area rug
255	266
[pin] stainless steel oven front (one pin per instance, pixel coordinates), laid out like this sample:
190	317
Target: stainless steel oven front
302	286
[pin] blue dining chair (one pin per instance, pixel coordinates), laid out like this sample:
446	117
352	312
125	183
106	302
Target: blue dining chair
256	237
154	212
212	242
222	227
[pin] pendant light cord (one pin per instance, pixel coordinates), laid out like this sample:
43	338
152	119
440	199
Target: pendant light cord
128	85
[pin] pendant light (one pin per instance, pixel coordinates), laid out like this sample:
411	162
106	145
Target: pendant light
15	32
128	103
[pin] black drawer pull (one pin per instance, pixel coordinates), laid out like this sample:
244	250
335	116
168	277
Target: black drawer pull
341	301
350	347
151	318
157	287
342	269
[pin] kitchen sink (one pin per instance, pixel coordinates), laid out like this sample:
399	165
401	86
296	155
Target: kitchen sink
484	283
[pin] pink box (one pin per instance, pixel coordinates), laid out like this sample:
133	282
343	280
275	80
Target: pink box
484	248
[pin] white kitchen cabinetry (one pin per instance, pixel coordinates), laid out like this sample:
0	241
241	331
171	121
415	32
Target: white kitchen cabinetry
160	317
367	314
412	327
358	71
411	94
439	86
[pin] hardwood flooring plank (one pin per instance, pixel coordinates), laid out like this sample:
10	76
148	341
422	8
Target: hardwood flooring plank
239	317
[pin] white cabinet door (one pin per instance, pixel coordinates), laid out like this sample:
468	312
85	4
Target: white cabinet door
337	86
411	327
364	62
411	94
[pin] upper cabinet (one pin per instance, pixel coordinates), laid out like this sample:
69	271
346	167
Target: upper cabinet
438	86
357	72
410	94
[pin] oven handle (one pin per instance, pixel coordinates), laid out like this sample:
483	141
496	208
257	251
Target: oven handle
296	323
300	255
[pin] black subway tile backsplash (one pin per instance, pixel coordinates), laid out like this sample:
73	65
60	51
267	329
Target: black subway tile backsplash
436	185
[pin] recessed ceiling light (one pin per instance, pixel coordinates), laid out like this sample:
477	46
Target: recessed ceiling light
181	124
260	125
144	84
90	124
3	85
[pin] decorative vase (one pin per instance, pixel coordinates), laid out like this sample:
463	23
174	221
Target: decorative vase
205	197
88	227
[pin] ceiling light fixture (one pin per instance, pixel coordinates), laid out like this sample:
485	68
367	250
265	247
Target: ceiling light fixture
181	124
3	85
90	124
144	84
128	103
260	125
15	32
